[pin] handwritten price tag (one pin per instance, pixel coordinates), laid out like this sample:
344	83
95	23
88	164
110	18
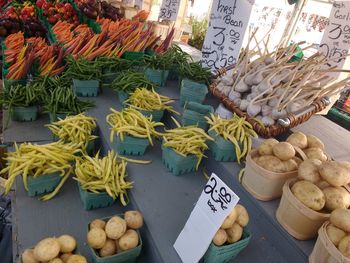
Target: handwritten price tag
169	10
335	43
139	3
227	26
213	206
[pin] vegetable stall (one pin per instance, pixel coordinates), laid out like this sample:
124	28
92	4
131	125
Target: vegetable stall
112	135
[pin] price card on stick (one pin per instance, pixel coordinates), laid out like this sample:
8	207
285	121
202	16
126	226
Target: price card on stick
335	43
213	206
227	26
139	3
169	10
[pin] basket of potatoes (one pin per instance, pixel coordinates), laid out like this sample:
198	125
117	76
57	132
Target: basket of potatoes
116	239
333	242
268	167
231	238
308	200
54	250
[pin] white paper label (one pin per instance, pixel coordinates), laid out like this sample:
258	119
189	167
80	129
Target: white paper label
213	206
227	26
169	10
335	43
139	3
128	2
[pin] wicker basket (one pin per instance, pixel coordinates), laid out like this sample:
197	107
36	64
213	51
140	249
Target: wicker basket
270	131
297	219
324	250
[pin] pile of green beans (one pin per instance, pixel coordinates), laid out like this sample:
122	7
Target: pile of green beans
177	56
159	62
63	100
129	81
113	64
195	71
22	96
82	69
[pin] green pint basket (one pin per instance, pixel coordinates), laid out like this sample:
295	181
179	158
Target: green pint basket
192	91
222	150
131	145
130	55
154	75
157	115
178	164
42	184
195	113
226	253
122	96
86	88
54	117
93	200
24	113
128	256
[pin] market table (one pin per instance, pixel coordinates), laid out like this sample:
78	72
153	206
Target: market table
166	201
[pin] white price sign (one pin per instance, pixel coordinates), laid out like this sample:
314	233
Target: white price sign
335	43
227	26
169	10
139	3
213	206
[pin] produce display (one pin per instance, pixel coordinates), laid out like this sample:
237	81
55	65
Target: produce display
236	130
117	234
51	47
106	174
32	160
133	123
231	230
55	250
187	141
149	100
76	129
339	229
275	83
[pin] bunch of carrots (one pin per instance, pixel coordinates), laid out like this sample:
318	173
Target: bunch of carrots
115	39
20	55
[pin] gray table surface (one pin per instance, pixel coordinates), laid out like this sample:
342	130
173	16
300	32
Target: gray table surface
166	201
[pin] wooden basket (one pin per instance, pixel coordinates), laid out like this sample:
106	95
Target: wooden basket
324	250
265	132
264	185
298	220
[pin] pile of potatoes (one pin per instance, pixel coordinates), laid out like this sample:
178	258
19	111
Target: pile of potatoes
116	235
321	182
338	231
231	230
321	185
54	250
277	157
280	157
312	146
